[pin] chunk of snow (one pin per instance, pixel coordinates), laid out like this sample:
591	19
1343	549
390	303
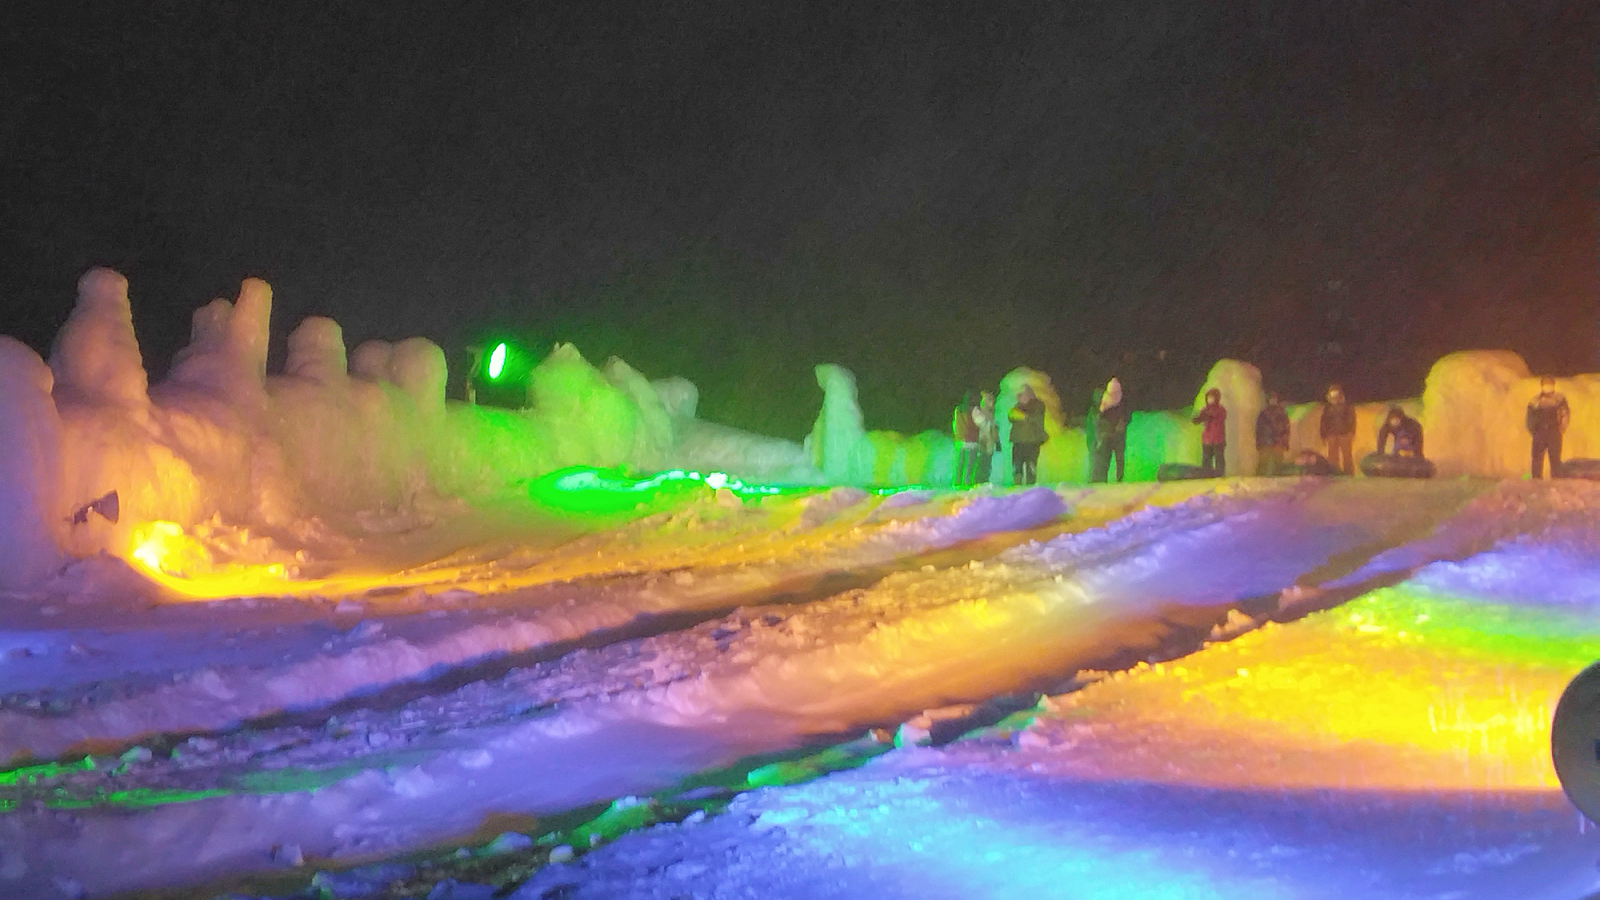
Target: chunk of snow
561	853
508	842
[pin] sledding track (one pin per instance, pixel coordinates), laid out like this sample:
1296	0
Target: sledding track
626	671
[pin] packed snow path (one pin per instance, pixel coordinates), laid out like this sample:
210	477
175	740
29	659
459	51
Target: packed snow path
528	676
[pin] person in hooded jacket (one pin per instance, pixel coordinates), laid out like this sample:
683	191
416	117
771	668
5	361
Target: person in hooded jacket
1272	437
1214	436
1548	416
965	430
1027	435
1338	429
1110	433
1404	430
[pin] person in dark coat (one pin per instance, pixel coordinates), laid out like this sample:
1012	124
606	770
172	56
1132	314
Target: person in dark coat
1338	429
1214	436
1110	433
1027	436
1406	432
1272	437
1548	416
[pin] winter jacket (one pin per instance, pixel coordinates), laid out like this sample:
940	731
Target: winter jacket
988	434
1338	420
1407	436
1111	426
965	427
1027	422
1215	419
1272	428
1548	415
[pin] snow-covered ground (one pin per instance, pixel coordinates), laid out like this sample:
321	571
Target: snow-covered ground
1332	689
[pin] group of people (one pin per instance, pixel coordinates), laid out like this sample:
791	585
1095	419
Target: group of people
1400	435
978	437
977	432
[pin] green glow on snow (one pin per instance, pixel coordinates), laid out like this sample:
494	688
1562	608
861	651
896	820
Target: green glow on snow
584	490
32	774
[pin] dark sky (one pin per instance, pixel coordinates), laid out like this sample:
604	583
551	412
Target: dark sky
928	194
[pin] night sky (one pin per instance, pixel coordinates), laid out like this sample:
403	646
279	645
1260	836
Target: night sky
928	194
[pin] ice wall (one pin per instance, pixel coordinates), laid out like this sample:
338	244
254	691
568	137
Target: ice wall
32	512
332	438
1473	408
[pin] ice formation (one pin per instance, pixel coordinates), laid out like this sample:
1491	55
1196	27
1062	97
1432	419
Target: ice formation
337	436
1472	413
30	469
845	452
96	356
333	438
838	441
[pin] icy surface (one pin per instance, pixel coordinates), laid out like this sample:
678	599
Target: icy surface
781	618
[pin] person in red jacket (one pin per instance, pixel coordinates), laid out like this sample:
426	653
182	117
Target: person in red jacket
1214	437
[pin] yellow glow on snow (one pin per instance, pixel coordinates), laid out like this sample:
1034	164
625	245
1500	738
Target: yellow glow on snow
170	556
1395	691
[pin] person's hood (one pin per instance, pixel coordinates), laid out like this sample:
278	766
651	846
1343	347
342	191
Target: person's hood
1395	412
1113	395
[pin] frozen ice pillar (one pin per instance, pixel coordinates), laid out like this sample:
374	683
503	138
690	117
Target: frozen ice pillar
31	511
316	352
227	352
838	441
1473	405
96	356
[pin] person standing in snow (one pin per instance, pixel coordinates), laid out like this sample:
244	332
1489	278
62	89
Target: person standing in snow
1214	436
988	436
1272	437
965	429
1110	433
1027	435
1338	430
1548	416
1406	432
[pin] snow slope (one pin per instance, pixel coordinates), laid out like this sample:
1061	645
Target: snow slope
1394	747
776	623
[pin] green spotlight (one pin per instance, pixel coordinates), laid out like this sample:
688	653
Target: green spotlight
497	361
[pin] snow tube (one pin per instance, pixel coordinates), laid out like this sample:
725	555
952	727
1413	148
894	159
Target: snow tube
1384	465
1182	472
1588	469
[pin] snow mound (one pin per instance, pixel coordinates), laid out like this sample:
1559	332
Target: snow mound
1473	409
